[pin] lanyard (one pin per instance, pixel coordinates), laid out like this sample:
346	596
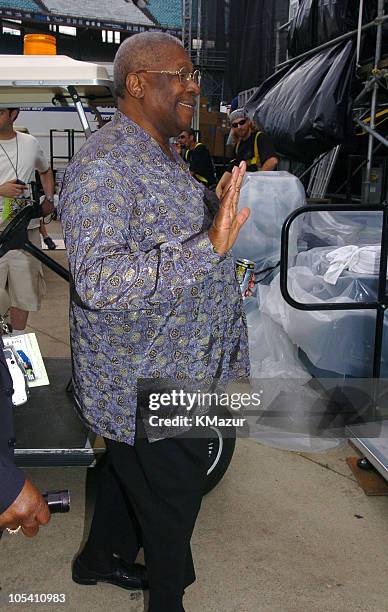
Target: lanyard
15	168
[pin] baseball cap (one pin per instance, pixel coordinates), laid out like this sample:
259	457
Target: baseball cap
239	113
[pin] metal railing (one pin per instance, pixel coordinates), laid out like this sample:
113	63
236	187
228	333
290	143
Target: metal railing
209	57
380	305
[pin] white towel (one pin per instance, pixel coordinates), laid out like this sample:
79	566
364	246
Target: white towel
364	260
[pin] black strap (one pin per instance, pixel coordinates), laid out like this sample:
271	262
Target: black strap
15	169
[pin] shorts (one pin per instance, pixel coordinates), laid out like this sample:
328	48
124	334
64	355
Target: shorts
22	276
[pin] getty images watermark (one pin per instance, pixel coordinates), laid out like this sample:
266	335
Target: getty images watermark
316	408
197	401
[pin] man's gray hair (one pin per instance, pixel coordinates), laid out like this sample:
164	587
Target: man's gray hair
145	51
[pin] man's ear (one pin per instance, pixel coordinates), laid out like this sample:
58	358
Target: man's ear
134	85
14	114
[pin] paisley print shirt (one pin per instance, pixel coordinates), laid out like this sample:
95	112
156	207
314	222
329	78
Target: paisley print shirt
150	298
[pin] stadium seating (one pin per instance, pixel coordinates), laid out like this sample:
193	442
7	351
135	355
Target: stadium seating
115	10
24	5
167	12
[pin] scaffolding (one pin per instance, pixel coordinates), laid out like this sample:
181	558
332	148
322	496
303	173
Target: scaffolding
323	166
321	173
196	24
187	14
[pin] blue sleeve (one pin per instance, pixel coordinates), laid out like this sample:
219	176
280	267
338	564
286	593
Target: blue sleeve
107	266
11	478
11	483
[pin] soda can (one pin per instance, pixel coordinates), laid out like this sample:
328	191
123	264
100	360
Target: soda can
245	274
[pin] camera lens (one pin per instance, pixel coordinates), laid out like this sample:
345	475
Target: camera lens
57	501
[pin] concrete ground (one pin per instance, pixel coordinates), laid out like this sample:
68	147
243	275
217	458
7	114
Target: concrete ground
283	531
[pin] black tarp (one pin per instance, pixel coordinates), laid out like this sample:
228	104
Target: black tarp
318	21
302	30
307	108
252	34
336	17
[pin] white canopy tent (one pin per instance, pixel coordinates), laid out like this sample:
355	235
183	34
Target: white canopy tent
44	80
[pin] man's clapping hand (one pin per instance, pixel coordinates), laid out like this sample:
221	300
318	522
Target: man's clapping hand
228	222
223	184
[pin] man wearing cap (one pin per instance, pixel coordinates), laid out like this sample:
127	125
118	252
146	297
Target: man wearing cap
253	146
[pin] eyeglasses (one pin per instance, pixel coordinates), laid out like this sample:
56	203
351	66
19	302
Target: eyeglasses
239	123
182	74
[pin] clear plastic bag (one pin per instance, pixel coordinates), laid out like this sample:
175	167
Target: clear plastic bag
271	197
333	340
340	228
272	354
290	407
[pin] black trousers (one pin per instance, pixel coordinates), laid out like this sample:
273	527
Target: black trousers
149	495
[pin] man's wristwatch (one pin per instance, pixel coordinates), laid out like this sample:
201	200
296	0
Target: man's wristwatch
50	199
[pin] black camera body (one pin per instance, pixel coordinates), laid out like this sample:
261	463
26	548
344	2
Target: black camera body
57	501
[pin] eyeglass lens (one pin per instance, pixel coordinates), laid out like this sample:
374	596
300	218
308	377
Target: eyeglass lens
193	76
239	123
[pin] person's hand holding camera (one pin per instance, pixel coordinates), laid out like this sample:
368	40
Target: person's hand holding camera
29	510
12	189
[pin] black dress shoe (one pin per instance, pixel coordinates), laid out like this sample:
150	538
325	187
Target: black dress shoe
132	577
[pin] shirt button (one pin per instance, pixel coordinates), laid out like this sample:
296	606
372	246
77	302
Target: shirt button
12	442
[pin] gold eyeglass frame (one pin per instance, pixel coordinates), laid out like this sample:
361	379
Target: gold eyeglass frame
194	76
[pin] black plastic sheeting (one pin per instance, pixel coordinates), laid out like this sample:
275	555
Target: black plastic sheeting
335	18
251	56
318	21
301	35
307	108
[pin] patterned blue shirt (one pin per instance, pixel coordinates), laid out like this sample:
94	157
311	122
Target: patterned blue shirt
150	296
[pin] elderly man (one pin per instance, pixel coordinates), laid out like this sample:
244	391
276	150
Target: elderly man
253	146
154	296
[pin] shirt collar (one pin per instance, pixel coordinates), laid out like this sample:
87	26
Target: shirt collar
121	121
